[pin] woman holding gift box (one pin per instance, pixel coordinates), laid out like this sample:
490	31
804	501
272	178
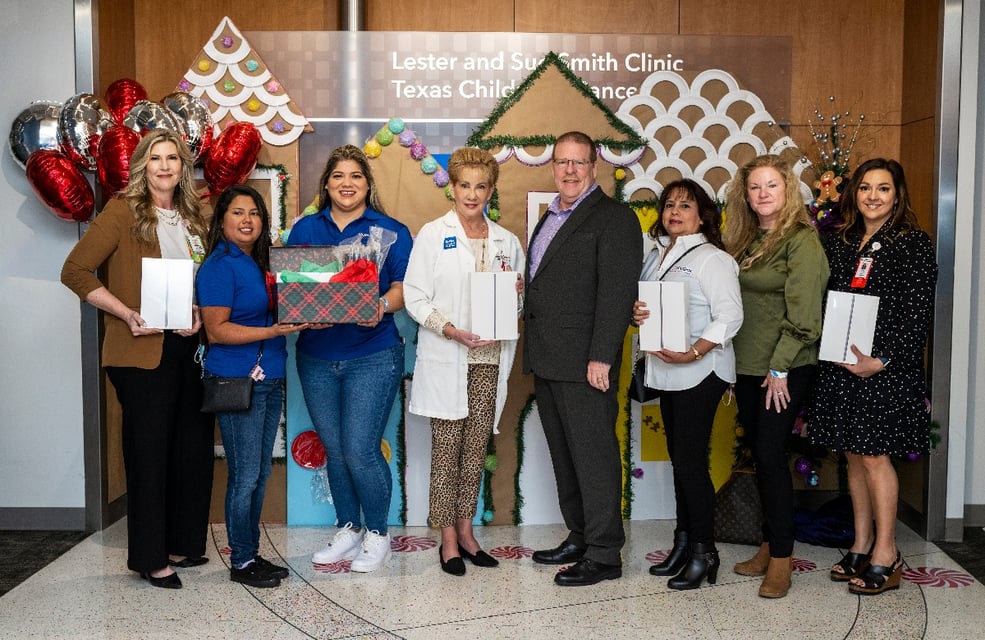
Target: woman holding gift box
782	273
237	311
689	249
459	378
877	407
350	372
167	440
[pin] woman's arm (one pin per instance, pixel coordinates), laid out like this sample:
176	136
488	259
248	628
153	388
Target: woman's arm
221	331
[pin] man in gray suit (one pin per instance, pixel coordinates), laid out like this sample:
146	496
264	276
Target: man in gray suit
584	263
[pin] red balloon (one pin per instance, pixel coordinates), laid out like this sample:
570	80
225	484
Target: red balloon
60	185
122	95
307	450
233	156
113	160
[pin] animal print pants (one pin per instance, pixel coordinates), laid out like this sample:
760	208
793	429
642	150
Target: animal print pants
458	451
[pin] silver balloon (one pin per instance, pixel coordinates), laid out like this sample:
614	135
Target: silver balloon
35	128
146	116
194	118
83	119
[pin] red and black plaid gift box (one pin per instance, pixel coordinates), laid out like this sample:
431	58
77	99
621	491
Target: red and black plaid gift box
320	302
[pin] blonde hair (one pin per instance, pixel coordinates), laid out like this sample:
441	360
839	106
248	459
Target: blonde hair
186	198
473	158
741	222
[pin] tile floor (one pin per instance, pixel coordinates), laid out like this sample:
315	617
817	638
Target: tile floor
88	593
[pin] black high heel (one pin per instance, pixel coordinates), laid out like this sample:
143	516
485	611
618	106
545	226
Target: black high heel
675	559
702	563
455	566
170	581
852	564
878	578
480	558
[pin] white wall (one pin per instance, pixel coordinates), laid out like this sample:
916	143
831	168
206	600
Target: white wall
40	372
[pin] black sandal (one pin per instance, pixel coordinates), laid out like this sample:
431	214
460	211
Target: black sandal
851	565
878	578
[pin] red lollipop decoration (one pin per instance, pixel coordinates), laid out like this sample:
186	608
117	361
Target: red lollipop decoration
122	95
60	185
113	160
233	156
307	450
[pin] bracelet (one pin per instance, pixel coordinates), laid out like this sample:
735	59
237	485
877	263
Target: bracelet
697	354
884	362
778	374
386	304
444	330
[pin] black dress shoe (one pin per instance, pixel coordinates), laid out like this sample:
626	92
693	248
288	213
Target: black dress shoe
587	572
561	554
455	566
189	562
171	581
252	575
271	569
480	558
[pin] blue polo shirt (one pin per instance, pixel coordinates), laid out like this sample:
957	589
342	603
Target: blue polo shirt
230	278
350	341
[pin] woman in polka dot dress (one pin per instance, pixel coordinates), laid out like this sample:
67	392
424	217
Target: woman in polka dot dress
877	407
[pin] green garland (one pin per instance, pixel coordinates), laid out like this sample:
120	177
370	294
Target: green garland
284	178
401	448
518	505
627	464
478	138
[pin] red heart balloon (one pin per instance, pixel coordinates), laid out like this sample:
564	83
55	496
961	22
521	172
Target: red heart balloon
122	95
113	160
233	156
60	185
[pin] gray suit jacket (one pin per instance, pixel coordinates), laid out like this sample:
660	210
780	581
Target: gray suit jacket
578	306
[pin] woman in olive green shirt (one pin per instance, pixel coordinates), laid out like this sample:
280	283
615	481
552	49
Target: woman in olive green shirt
782	275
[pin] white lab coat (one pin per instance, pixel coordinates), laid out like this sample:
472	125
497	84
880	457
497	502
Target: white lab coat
437	277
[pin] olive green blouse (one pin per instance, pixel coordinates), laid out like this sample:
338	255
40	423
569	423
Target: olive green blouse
781	304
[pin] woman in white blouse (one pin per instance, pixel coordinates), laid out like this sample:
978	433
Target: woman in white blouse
689	249
459	378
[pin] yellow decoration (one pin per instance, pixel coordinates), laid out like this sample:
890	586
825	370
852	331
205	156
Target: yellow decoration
203	64
253	105
647	216
827	187
372	148
385	448
620	174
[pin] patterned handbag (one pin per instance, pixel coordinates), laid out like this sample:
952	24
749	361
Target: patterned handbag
738	511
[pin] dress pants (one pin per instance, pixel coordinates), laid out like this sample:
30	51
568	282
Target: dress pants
579	424
168	450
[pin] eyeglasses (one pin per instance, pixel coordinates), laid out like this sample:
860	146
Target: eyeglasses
578	164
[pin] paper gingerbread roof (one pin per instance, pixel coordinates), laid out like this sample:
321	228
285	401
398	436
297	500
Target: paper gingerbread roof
236	84
549	102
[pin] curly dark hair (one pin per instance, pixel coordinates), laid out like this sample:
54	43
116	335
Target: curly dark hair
708	212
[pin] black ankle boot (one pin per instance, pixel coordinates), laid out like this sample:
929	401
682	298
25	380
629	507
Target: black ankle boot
702	562
675	559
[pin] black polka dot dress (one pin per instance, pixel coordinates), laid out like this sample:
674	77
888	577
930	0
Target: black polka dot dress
887	413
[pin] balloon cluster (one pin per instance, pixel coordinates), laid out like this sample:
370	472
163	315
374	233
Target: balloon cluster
56	142
805	468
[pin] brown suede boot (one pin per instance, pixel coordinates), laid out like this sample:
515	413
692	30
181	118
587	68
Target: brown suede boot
756	565
777	580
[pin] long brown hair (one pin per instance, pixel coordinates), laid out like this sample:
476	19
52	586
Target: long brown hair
138	196
261	248
708	213
901	220
741	223
354	153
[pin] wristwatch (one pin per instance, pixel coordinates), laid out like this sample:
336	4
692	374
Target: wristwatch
697	354
386	304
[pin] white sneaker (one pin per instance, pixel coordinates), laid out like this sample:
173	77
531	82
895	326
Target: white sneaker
374	554
344	546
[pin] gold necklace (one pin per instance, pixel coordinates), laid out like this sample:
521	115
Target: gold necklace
169	217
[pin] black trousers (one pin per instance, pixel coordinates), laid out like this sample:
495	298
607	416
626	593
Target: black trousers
168	453
580	425
688	416
767	431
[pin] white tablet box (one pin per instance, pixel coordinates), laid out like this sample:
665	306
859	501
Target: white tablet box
849	318
166	287
493	305
667	327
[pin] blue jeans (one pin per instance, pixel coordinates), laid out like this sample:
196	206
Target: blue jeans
248	438
349	402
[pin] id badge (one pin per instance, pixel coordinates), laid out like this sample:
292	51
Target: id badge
196	248
257	373
862	271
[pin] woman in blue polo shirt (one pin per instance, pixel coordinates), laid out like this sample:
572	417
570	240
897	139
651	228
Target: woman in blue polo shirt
237	313
350	372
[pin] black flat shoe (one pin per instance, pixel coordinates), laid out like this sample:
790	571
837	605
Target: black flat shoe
189	562
171	581
587	572
480	558
271	569
253	575
455	566
561	554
